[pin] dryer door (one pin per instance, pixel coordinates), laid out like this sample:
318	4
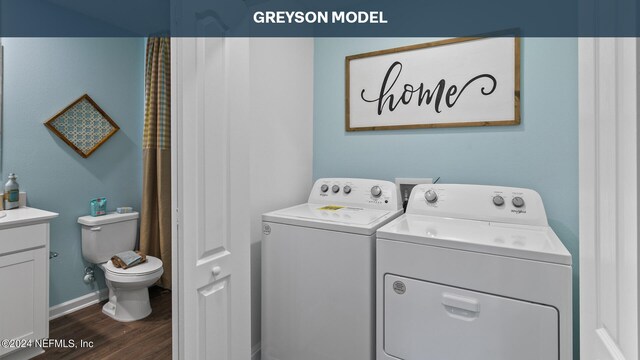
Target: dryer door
424	320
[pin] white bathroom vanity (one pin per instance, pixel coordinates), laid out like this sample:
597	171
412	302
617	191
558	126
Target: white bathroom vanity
24	281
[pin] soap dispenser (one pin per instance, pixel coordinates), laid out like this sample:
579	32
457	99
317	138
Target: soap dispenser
11	198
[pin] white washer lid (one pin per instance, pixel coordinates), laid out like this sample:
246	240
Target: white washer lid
152	264
350	219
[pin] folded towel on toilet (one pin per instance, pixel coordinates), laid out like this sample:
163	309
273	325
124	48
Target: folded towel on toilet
127	259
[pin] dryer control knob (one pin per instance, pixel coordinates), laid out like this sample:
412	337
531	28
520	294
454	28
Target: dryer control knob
376	191
517	202
498	200
324	188
346	189
335	188
431	196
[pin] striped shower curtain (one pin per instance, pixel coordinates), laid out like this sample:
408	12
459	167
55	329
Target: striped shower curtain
155	222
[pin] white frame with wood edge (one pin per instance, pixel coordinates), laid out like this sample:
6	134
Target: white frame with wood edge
496	60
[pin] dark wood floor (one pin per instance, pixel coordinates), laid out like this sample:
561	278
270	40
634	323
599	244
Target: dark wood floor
149	338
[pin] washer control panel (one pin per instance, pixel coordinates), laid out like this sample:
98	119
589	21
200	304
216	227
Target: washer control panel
478	202
377	194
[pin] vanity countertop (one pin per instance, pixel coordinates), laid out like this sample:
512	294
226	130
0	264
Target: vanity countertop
25	216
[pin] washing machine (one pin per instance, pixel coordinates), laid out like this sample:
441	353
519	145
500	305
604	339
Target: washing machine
318	271
472	272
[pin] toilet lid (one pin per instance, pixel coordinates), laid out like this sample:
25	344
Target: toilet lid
152	264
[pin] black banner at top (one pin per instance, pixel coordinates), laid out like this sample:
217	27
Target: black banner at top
317	18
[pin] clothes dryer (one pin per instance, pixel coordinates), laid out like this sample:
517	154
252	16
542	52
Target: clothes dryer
473	272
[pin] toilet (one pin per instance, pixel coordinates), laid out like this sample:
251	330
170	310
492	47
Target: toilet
105	236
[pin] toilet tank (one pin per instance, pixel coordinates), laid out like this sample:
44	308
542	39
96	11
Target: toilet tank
107	235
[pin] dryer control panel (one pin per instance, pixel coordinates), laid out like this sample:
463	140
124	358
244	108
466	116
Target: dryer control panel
368	193
478	202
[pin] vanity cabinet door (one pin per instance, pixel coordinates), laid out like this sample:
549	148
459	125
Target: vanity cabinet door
23	296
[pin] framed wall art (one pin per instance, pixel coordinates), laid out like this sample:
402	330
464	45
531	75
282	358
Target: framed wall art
469	81
83	125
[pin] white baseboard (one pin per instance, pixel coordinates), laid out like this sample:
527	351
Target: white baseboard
76	304
24	353
255	351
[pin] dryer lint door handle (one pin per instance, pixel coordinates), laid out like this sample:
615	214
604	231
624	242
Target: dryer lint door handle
461	307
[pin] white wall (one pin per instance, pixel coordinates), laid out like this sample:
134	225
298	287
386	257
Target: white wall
281	101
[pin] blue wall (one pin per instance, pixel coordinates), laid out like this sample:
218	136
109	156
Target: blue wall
541	153
42	76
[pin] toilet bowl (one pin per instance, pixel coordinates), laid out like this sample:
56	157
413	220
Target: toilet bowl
128	289
105	236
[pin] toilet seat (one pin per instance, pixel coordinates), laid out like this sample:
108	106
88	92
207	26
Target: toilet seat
152	265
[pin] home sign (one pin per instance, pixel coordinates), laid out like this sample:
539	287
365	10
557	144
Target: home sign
471	81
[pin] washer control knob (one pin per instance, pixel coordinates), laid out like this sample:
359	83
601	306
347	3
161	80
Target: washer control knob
517	202
498	200
324	188
431	196
376	191
335	188
346	189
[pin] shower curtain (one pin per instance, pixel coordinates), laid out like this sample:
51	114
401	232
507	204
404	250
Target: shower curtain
155	222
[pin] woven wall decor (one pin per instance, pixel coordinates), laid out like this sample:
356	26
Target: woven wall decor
83	125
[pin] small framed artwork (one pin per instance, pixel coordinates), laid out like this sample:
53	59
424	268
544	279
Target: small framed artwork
469	81
83	125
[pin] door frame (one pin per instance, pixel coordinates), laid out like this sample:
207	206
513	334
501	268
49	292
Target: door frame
176	93
608	186
593	52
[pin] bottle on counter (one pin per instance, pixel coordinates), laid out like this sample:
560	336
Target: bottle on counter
11	198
